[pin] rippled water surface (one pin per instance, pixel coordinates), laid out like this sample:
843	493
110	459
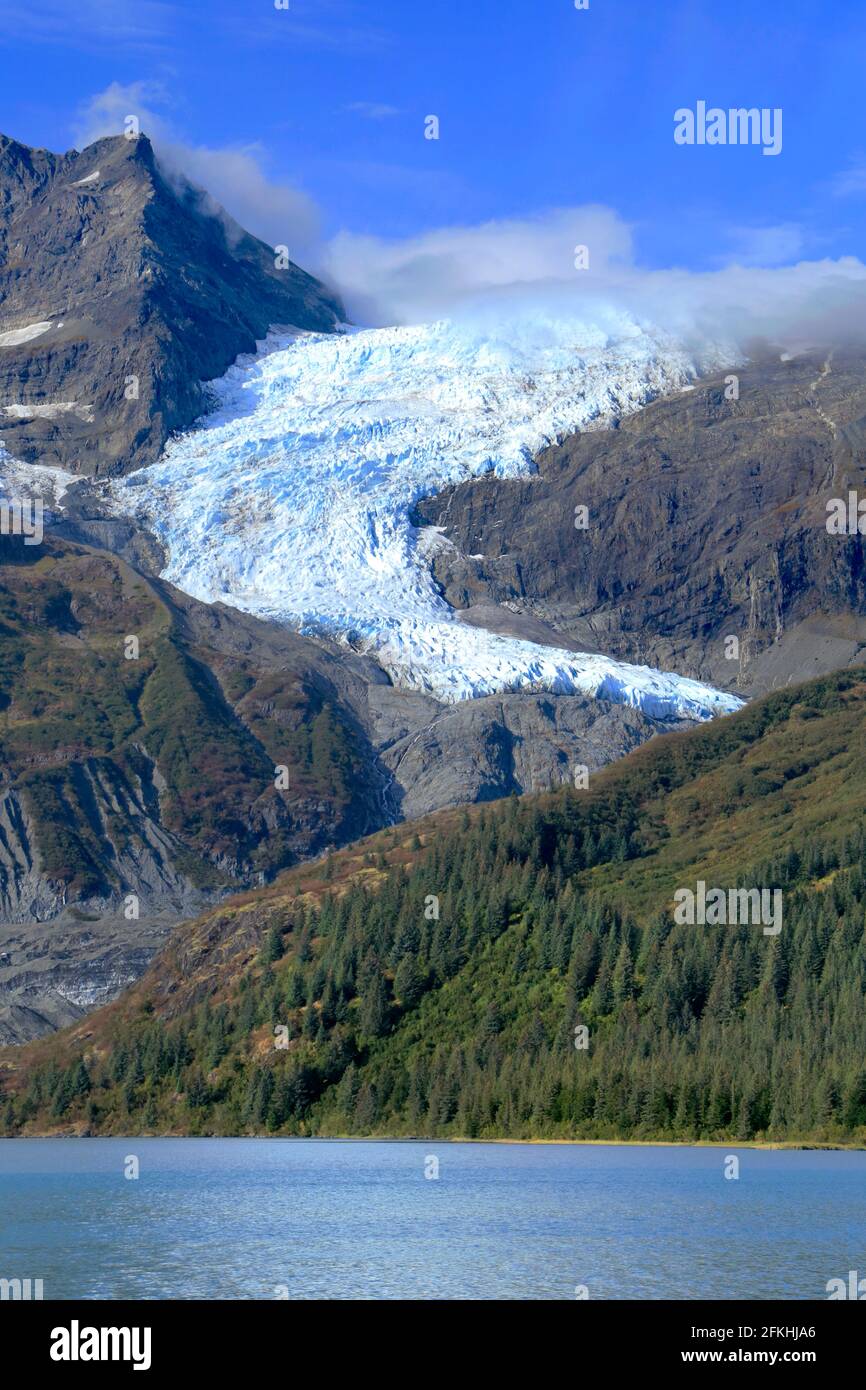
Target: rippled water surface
269	1218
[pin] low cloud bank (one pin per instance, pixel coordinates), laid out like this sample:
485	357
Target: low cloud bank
579	260
465	270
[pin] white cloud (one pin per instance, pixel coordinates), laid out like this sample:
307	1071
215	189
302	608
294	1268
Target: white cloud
466	270
237	180
809	304
372	110
328	25
767	246
89	24
420	277
851	182
104	113
157	26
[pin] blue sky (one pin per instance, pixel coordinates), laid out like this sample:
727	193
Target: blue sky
541	106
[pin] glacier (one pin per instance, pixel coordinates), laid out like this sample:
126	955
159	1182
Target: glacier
21	481
292	498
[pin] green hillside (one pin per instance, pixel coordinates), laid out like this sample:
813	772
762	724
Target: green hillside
94	731
430	980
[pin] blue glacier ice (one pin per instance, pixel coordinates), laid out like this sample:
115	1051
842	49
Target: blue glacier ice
291	500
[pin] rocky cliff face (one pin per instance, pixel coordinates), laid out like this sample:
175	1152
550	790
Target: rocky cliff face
147	767
705	520
120	294
484	749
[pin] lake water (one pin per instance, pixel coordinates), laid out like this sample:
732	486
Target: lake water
268	1218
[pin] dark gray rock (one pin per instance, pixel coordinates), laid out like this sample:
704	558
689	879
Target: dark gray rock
50	978
138	278
706	520
484	749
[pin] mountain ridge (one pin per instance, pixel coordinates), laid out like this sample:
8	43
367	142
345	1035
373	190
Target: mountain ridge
552	914
140	296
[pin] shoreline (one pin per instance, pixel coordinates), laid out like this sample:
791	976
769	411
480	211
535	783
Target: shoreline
797	1146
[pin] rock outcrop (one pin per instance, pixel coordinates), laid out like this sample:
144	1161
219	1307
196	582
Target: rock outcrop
706	520
121	293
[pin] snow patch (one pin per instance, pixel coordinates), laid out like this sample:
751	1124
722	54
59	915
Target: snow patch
293	499
13	336
89	178
48	410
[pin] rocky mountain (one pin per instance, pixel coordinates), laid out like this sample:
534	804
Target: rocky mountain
705	520
135	790
121	293
361	571
140	763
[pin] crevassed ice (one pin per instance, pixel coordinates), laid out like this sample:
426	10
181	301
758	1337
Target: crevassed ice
30	480
292	499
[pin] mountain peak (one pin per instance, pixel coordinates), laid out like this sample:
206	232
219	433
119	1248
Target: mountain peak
120	149
101	358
